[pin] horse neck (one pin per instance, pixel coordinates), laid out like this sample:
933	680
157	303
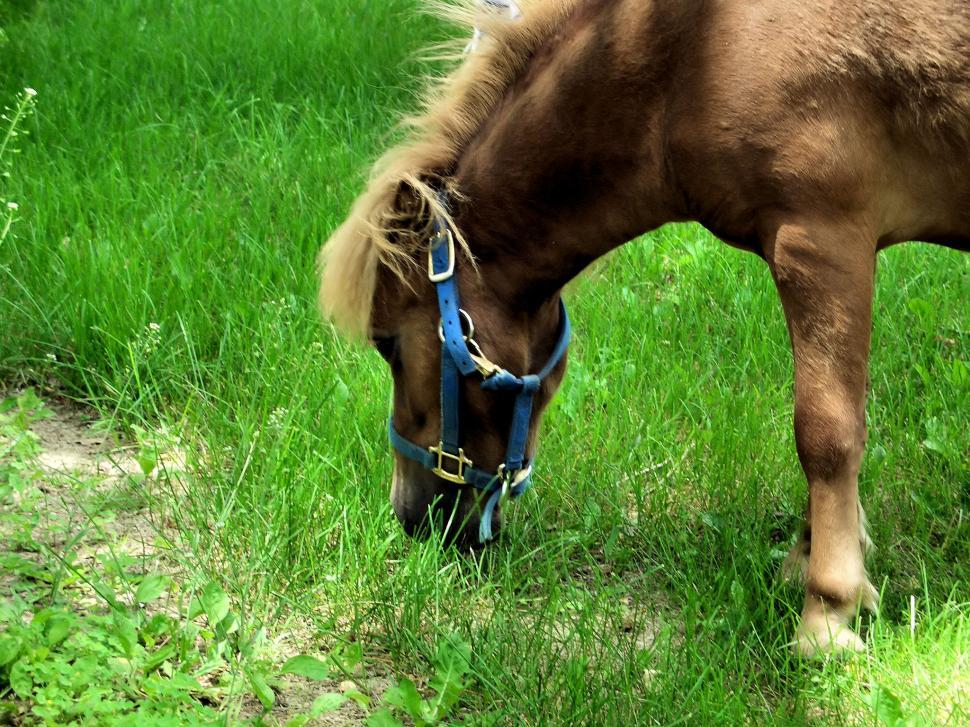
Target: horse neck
570	163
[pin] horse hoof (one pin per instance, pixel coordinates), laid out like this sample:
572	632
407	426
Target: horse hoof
827	637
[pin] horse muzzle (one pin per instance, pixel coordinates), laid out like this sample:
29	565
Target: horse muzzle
427	505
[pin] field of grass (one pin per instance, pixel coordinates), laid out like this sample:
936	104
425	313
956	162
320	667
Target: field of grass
184	162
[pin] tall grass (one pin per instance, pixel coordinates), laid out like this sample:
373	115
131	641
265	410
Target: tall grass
187	162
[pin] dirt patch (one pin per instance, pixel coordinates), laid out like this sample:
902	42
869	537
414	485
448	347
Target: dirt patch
82	506
298	695
70	447
92	500
95	493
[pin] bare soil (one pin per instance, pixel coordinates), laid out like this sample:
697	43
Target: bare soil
95	506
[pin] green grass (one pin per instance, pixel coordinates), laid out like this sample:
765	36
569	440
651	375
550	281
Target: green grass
186	160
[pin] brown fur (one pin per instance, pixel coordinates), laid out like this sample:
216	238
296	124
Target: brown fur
813	134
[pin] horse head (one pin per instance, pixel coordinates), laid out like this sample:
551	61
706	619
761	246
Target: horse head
472	370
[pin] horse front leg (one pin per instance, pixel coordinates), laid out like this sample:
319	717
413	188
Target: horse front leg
824	275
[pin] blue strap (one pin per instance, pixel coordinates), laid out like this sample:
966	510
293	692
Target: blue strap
450	389
519	431
477	478
456	359
448	305
485	523
505	381
562	343
409	449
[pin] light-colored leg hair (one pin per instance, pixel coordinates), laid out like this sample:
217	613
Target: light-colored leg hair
824	275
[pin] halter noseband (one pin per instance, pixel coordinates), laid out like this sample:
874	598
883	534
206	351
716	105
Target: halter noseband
462	356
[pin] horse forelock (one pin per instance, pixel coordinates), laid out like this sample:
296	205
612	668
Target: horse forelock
378	232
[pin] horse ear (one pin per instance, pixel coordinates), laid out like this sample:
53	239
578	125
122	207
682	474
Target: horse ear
411	212
408	202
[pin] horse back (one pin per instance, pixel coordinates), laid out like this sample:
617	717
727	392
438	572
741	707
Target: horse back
850	108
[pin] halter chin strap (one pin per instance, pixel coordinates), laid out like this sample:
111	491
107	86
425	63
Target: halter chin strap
462	357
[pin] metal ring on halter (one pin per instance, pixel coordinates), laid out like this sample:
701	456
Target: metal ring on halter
506	478
466	337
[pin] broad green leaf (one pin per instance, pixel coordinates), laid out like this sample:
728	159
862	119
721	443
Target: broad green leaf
298	721
922	308
383	718
151	587
306	666
9	649
262	690
196	608
186	682
934	445
124	631
453	656
886	705
341	392
215	602
348	657
147	460
737	593
451	663
405	695
107	593
359	697
228	625
960	373
58	628
20	680
28	399
326	703
159	657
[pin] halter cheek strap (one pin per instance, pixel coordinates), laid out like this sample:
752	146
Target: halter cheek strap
462	357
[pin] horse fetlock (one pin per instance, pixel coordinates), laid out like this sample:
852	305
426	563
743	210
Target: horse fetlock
844	592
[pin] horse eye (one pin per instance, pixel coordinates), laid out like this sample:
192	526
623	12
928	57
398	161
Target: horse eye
386	346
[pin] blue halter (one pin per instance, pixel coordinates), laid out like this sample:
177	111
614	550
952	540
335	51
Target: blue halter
461	356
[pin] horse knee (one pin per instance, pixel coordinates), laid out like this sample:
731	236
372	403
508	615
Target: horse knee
830	439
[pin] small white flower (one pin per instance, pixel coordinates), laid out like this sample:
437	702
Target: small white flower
13	206
148	339
276	418
30	92
51	357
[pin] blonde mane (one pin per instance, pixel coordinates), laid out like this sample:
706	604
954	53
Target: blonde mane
377	232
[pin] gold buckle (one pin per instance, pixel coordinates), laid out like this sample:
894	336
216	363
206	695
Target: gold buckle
439	277
463	462
485	367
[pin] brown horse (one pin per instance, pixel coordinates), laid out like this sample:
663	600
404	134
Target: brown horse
813	134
